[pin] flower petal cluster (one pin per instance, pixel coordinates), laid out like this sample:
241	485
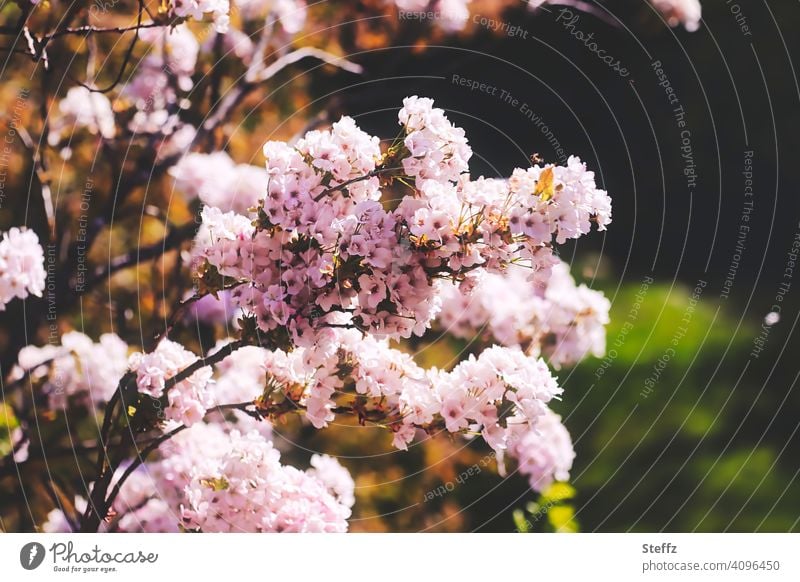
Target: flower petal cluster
332	246
214	480
82	108
219	182
544	454
79	369
241	486
22	270
197	9
493	394
561	321
188	400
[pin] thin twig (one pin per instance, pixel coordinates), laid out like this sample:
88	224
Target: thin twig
88	29
126	60
345	184
236	95
138	462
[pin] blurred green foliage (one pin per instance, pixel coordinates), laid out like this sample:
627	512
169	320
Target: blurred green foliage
708	448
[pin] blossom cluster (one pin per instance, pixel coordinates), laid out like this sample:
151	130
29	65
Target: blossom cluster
290	14
224	475
219	182
22	271
561	321
247	489
82	109
545	454
174	50
79	370
437	150
332	247
189	399
502	394
166	69
197	9
217	480
153	91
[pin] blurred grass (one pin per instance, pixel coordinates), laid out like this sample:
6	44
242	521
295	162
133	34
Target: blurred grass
699	452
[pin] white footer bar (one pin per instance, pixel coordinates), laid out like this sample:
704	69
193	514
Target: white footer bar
408	557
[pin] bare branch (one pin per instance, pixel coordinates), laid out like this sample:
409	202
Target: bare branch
202	362
236	95
86	30
128	55
302	53
40	167
171	241
97	507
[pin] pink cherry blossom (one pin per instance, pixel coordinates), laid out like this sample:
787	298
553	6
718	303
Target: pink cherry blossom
22	270
544	453
189	399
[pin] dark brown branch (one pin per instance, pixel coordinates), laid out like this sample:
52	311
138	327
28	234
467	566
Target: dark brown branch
86	30
138	462
200	363
97	508
172	241
128	55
